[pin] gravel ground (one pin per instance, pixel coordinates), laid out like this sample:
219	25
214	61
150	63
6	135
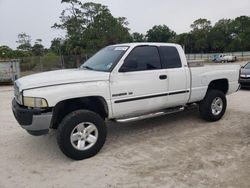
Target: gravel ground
178	150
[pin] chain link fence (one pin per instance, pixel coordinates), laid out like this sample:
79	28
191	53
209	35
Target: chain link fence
36	64
48	62
241	56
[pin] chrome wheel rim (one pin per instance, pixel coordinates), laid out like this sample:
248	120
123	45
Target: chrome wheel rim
217	106
84	136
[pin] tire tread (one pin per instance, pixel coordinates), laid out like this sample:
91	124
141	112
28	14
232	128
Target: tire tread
65	126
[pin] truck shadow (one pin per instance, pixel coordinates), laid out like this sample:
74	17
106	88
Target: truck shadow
130	133
121	134
245	88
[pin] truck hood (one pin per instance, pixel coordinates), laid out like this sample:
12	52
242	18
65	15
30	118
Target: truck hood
58	77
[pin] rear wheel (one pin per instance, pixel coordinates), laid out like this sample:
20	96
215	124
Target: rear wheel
81	134
213	106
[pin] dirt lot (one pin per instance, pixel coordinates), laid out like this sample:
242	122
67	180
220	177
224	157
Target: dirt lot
178	150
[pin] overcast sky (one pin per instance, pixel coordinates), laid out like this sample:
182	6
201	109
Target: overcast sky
35	17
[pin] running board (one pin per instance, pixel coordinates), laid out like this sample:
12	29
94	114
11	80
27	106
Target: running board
156	114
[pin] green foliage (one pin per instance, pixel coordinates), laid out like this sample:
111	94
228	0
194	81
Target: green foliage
201	25
91	26
105	30
38	48
28	63
55	46
138	37
241	31
186	40
6	52
50	61
220	35
200	33
160	33
226	35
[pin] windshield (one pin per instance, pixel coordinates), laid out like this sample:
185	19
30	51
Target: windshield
247	66
105	58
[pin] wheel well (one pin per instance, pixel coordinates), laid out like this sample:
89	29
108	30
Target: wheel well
221	84
63	108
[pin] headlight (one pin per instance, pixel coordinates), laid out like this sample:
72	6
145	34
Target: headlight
18	97
243	76
17	94
35	102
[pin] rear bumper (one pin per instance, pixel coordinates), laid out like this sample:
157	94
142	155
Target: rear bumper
35	121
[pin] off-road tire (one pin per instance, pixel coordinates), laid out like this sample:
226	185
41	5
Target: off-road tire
205	105
69	123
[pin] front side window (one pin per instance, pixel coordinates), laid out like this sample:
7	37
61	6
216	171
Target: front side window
170	57
105	59
142	58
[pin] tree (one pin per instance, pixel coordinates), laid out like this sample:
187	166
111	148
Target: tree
138	37
241	32
6	52
24	42
160	33
38	48
75	19
185	40
90	26
200	32
220	35
201	24
106	30
56	45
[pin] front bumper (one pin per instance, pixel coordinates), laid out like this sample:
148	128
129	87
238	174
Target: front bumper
35	121
245	82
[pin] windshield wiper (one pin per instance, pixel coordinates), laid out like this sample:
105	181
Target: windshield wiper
87	67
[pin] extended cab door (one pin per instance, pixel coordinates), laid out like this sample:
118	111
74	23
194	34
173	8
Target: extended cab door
140	84
178	76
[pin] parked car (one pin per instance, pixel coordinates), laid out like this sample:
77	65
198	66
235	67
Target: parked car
224	58
124	82
227	58
245	75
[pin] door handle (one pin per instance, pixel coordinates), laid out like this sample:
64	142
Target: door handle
163	77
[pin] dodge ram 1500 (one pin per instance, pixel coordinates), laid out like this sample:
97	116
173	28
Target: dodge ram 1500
123	82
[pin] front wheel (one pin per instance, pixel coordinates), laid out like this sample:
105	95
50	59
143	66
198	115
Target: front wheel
81	134
213	106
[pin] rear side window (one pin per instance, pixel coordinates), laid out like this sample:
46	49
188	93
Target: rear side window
142	58
170	57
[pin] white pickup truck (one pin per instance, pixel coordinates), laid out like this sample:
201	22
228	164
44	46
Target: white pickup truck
226	58
123	82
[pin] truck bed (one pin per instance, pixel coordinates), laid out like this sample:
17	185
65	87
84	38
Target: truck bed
201	75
